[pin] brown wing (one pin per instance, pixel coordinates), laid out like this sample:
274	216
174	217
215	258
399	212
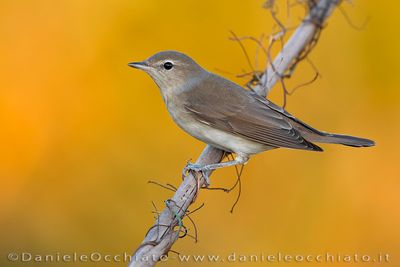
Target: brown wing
230	108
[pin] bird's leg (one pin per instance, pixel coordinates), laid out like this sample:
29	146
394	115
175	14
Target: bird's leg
241	158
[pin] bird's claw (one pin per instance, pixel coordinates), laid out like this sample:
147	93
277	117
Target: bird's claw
203	170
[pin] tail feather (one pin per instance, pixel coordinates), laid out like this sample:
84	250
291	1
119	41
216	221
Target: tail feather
346	140
313	135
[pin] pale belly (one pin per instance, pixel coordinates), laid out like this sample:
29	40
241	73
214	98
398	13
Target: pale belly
223	140
220	139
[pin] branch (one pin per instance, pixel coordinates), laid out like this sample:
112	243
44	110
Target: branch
165	232
297	46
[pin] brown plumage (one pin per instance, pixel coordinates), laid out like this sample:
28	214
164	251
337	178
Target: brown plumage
247	114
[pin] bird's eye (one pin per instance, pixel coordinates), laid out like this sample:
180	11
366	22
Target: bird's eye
168	65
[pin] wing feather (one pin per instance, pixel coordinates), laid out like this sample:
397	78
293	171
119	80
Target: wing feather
235	110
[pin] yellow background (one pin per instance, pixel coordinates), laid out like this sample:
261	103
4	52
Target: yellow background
81	133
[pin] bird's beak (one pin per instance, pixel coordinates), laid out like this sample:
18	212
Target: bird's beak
139	65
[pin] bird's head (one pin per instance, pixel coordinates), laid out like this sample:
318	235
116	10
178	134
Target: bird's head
171	70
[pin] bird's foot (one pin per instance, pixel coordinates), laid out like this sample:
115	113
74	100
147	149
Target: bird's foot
202	169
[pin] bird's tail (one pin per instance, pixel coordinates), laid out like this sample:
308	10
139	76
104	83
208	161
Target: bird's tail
313	135
346	140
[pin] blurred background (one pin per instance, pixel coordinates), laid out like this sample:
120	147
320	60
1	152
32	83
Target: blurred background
82	134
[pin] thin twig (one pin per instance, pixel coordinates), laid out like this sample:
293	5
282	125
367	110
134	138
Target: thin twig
168	186
350	21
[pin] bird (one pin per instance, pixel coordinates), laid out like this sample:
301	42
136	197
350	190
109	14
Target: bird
227	116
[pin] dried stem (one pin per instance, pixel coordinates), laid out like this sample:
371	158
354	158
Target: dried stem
165	232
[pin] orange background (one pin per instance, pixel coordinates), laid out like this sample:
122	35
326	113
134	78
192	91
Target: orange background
81	133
